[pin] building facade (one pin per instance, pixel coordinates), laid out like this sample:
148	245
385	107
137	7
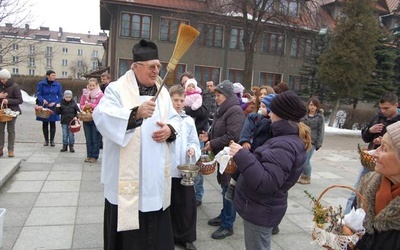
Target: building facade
25	51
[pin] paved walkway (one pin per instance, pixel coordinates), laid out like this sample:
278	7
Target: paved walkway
55	201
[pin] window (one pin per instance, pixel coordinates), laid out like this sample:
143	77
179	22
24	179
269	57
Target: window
49	51
64	62
31	49
236	41
289	8
173	77
80	63
80	52
1	58
31	62
210	35
273	43
94	65
65	51
15	71
134	25
49	63
236	75
294	82
300	47
95	54
169	29
15	59
270	79
124	66
31	72
204	74
15	46
64	74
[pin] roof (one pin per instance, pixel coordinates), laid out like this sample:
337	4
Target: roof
46	34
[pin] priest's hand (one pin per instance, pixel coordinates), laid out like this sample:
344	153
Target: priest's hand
162	134
146	109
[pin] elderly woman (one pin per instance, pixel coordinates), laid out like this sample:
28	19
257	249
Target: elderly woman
267	174
227	124
10	96
381	189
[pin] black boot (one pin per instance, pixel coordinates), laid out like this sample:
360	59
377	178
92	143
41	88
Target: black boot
46	143
71	148
52	144
64	148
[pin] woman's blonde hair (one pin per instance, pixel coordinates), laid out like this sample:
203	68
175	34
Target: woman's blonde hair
305	135
93	80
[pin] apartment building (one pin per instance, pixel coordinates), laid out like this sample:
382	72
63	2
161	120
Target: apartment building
26	51
218	52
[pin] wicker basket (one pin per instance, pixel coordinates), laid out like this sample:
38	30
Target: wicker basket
74	125
367	160
231	167
4	116
42	112
330	240
206	166
85	117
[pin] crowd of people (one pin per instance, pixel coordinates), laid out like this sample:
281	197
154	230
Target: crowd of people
270	132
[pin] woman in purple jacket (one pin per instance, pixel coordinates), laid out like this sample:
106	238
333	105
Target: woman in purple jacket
271	170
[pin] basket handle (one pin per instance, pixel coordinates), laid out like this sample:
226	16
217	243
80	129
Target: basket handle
76	120
3	105
362	198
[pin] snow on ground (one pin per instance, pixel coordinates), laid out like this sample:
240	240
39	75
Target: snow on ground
27	98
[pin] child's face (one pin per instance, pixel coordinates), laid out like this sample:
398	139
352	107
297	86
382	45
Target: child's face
190	87
177	102
91	86
264	110
312	107
68	98
263	93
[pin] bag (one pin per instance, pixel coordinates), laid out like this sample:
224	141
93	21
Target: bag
74	125
42	112
7	114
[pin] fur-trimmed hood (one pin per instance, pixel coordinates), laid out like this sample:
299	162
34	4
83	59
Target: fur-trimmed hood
389	217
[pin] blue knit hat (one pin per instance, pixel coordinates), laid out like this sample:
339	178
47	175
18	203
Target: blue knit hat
268	99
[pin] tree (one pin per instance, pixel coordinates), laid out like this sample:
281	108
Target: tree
310	83
383	80
79	68
349	60
14	14
255	17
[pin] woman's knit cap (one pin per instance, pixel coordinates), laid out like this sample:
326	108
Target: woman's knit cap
288	106
5	74
225	88
394	132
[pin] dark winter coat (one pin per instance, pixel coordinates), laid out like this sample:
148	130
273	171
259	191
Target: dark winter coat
67	110
14	96
378	118
317	127
226	126
266	175
51	92
382	230
256	130
210	103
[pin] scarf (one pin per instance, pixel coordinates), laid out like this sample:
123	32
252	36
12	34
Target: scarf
385	194
90	94
130	159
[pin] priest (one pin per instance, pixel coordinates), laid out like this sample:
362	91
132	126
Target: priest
135	168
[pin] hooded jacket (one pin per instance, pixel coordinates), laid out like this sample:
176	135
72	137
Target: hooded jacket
267	174
378	118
